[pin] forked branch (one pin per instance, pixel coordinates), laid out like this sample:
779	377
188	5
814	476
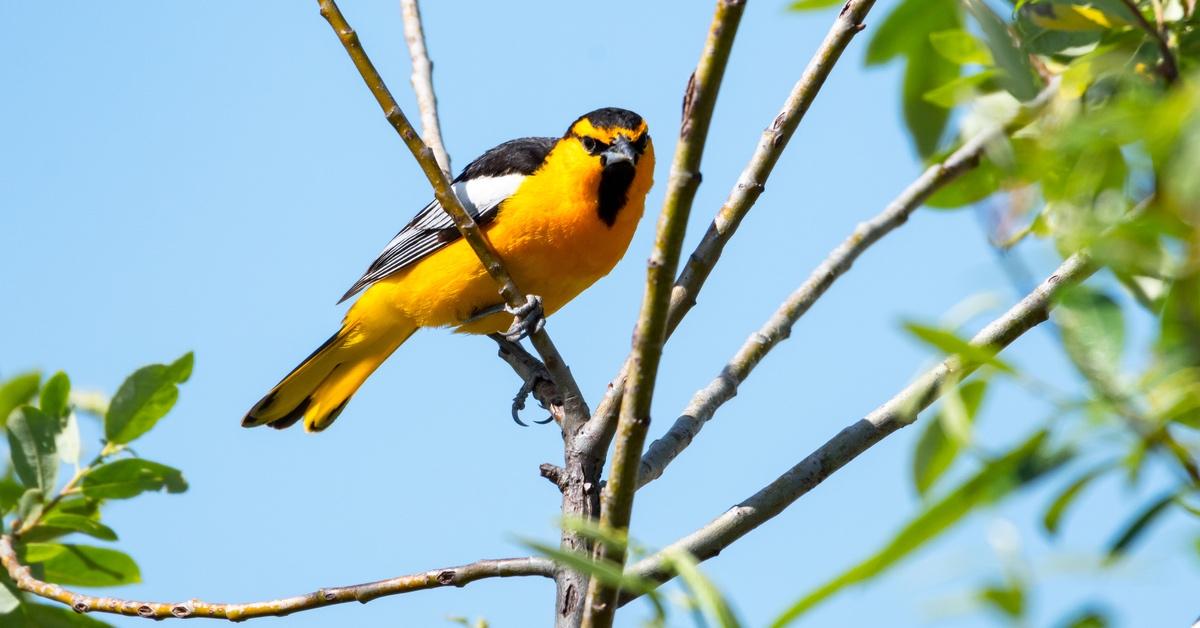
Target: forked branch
861	435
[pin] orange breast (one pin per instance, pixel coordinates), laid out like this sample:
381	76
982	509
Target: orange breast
549	235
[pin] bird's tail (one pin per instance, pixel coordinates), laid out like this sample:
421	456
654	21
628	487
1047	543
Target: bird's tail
319	389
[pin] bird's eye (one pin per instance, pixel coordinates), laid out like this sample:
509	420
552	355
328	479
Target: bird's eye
592	145
640	144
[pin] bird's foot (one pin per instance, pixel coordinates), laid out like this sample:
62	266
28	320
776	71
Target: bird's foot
518	402
528	319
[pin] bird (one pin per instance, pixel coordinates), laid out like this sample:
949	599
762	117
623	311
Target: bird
559	211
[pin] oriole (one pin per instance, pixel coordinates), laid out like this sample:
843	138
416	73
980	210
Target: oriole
560	212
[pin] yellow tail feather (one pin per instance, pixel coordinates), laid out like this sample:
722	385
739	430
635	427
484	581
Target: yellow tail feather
319	389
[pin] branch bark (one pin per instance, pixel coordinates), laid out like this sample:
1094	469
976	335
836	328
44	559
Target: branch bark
193	609
901	410
422	82
723	387
699	100
745	193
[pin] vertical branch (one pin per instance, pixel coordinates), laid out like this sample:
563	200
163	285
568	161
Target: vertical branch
699	100
422	82
573	400
745	193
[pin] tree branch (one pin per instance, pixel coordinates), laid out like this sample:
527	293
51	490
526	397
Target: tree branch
422	82
723	387
745	193
192	609
901	410
1169	68
699	100
573	400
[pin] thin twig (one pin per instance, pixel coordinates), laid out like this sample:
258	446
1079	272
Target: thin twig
1169	68
861	435
699	99
422	82
193	609
723	387
745	193
573	400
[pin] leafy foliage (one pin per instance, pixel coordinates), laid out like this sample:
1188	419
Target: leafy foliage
44	438
1100	111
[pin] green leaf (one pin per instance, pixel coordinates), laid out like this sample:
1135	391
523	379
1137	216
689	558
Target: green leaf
10	493
949	343
926	71
961	47
81	565
58	524
9	599
1093	333
1019	467
31	444
591	529
180	370
605	571
55	394
935	451
18	391
710	600
1016	72
30	504
1053	516
813	5
969	188
130	477
960	90
1008	599
1137	526
1086	618
144	398
79	505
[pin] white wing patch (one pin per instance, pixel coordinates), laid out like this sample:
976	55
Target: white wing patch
427	232
484	193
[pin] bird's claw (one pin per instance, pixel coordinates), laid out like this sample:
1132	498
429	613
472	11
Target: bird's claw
518	403
528	319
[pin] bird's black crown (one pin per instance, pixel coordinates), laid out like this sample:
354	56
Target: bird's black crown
610	117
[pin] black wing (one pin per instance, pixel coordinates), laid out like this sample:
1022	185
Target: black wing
481	187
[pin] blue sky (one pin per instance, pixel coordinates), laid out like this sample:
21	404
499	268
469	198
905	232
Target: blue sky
211	177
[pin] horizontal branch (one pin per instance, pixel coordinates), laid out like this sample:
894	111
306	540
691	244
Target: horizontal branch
193	609
901	410
450	203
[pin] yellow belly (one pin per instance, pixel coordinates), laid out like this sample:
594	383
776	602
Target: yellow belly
551	239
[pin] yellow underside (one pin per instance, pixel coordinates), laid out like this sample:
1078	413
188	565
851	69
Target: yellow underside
550	237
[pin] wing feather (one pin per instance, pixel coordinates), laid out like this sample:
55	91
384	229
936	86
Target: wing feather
482	187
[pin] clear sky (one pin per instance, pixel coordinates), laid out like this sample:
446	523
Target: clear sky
212	176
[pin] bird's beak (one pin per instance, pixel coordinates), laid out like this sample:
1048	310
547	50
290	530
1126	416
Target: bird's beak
621	151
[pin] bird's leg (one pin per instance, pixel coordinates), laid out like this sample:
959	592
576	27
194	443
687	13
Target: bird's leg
528	319
535	380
